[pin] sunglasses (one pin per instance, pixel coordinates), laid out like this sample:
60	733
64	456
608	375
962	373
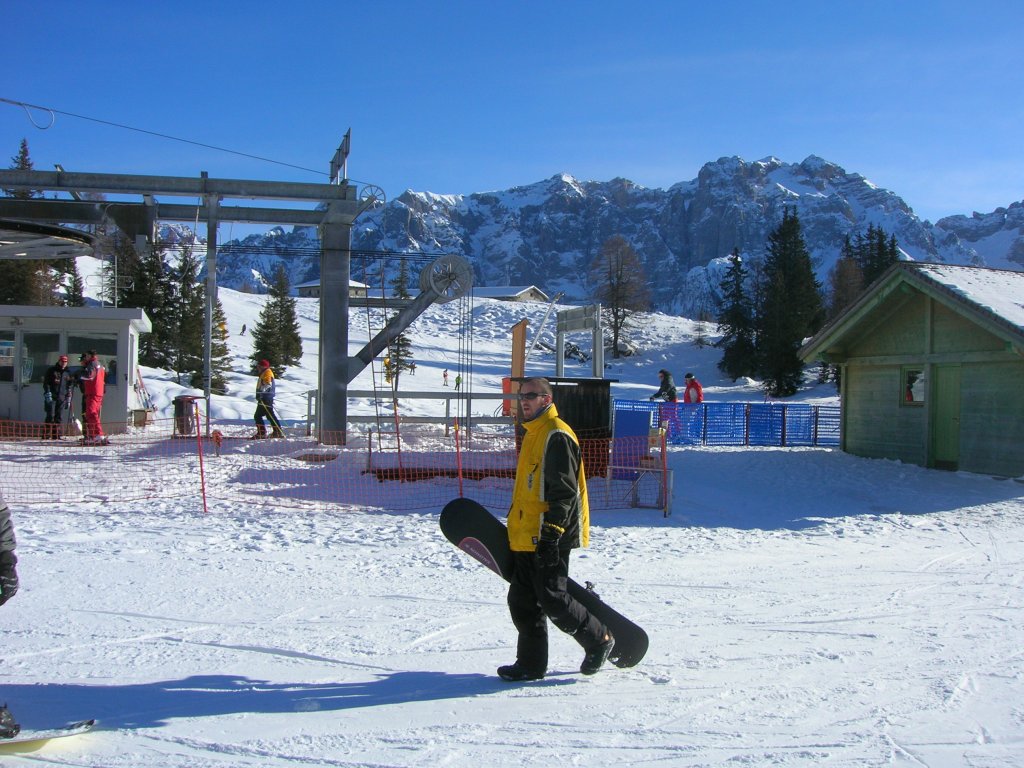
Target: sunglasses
531	395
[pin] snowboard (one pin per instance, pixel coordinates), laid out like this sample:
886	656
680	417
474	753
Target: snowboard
474	530
29	740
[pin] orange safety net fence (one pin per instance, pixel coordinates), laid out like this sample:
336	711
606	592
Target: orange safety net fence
224	464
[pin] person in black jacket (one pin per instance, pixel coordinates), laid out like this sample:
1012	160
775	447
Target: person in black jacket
8	588
56	396
667	390
8	560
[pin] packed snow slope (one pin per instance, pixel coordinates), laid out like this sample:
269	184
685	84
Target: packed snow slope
805	608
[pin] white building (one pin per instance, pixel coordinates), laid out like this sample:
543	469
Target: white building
32	338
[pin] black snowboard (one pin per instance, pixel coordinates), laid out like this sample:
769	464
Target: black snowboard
473	529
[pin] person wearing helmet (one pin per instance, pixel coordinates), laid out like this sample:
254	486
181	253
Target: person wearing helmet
667	390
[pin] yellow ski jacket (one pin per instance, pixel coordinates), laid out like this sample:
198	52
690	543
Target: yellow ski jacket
550	485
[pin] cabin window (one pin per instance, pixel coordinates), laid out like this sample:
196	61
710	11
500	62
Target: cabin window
914	386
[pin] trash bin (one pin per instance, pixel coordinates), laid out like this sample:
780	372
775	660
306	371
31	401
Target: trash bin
184	414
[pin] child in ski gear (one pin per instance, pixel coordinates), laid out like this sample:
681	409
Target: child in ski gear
265	390
694	392
56	396
549	517
667	390
444	376
458	381
92	378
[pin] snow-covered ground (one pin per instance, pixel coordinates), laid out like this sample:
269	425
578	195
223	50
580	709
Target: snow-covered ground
805	608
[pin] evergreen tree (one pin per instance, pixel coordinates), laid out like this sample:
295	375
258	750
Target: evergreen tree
220	355
620	284
276	335
187	312
736	323
792	308
400	349
148	287
76	287
26	281
875	253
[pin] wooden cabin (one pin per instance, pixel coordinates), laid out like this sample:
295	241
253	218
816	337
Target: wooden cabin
932	364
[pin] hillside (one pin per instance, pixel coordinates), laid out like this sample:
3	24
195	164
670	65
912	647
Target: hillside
663	341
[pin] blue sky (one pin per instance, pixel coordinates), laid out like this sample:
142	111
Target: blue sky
923	98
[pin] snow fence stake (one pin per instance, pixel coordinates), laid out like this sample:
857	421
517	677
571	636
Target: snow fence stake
199	444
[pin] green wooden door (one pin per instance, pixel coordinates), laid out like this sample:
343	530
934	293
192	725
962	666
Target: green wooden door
946	417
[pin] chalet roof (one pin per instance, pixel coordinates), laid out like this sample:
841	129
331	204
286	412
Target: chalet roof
993	298
505	291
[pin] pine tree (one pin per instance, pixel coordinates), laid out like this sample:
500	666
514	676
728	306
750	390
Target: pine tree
875	253
736	323
148	287
619	283
76	287
187	311
399	356
26	281
276	335
220	355
792	308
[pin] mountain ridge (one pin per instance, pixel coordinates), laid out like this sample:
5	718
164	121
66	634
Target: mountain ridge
546	233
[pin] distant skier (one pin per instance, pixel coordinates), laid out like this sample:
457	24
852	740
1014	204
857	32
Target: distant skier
458	382
265	390
694	392
243	330
444	376
667	390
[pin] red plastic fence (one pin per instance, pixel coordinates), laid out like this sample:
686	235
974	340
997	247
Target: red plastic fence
158	462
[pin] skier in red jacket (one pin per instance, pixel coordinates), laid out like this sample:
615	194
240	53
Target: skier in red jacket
694	392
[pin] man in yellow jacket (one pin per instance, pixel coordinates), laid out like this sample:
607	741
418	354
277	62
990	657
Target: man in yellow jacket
549	517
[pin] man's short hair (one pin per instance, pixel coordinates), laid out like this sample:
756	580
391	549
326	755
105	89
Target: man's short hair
542	385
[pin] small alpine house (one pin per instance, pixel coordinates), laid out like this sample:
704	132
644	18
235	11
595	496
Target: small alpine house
931	359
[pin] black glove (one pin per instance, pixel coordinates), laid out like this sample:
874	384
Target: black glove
547	546
8	584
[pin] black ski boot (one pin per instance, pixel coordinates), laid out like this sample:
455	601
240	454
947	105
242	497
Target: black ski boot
516	673
598	655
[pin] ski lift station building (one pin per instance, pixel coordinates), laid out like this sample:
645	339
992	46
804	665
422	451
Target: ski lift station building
931	358
32	338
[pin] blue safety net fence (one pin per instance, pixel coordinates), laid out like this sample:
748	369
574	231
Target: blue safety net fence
769	424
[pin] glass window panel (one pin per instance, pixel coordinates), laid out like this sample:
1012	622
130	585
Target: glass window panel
39	351
105	345
914	386
6	355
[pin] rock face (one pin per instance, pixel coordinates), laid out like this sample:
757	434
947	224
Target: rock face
547	233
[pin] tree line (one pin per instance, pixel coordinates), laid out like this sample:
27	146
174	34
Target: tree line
769	306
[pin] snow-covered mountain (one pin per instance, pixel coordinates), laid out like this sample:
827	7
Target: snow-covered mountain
547	233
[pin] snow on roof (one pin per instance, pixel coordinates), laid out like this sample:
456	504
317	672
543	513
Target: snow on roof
998	291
